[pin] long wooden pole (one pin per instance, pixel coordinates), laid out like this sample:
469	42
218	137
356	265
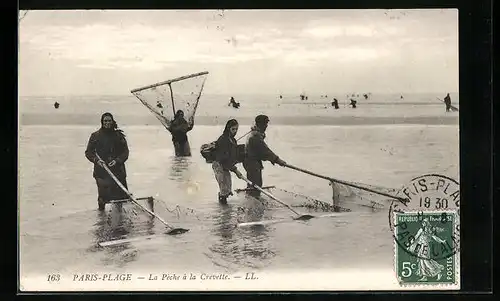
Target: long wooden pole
300	216
130	195
170	81
346	183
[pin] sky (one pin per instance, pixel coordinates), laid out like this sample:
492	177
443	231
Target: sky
110	52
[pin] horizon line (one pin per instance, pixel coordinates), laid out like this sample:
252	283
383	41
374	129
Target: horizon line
269	94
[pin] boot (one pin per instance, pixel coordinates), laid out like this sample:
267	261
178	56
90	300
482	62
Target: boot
222	199
101	204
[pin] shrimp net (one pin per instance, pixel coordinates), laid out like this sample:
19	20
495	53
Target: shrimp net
338	198
169	211
165	98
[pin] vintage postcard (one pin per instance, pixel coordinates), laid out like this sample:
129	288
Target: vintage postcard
255	150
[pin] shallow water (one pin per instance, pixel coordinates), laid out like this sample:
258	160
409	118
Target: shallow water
213	110
60	224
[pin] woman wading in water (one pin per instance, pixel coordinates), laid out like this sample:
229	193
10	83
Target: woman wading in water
179	128
110	144
226	158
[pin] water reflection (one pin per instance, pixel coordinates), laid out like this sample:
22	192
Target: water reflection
255	239
252	209
223	233
240	247
179	168
121	221
111	225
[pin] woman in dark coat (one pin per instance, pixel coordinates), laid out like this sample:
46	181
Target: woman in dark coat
110	143
179	128
226	158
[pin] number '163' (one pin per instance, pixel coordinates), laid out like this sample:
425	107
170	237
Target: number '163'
53	277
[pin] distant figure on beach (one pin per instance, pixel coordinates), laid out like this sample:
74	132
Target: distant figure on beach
302	97
281	96
256	152
447	102
56	105
226	158
335	103
233	103
365	96
110	144
179	128
353	103
402	97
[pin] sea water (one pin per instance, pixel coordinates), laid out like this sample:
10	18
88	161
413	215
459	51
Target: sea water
60	225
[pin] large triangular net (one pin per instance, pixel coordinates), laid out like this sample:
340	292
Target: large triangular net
351	196
165	98
347	198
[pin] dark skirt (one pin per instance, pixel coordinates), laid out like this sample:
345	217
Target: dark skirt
108	190
182	149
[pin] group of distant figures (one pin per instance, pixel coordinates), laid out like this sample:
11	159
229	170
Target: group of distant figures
352	104
335	103
447	102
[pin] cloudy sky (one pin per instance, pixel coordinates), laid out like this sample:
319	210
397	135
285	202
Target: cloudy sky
255	51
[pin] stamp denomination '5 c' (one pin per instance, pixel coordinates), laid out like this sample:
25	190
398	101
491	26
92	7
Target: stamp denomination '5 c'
426	246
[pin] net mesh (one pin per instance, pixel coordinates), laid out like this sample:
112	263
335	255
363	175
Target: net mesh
377	192
165	98
341	197
169	211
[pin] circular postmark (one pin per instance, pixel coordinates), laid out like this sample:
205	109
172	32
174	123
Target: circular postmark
427	224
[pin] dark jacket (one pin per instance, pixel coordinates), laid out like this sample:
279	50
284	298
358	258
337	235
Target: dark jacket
110	145
258	151
179	129
226	152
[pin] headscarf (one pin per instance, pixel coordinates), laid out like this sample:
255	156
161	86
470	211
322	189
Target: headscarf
177	121
114	126
178	114
229	124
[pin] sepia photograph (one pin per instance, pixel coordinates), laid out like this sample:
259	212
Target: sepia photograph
238	150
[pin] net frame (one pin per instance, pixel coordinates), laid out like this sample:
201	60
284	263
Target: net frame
161	117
